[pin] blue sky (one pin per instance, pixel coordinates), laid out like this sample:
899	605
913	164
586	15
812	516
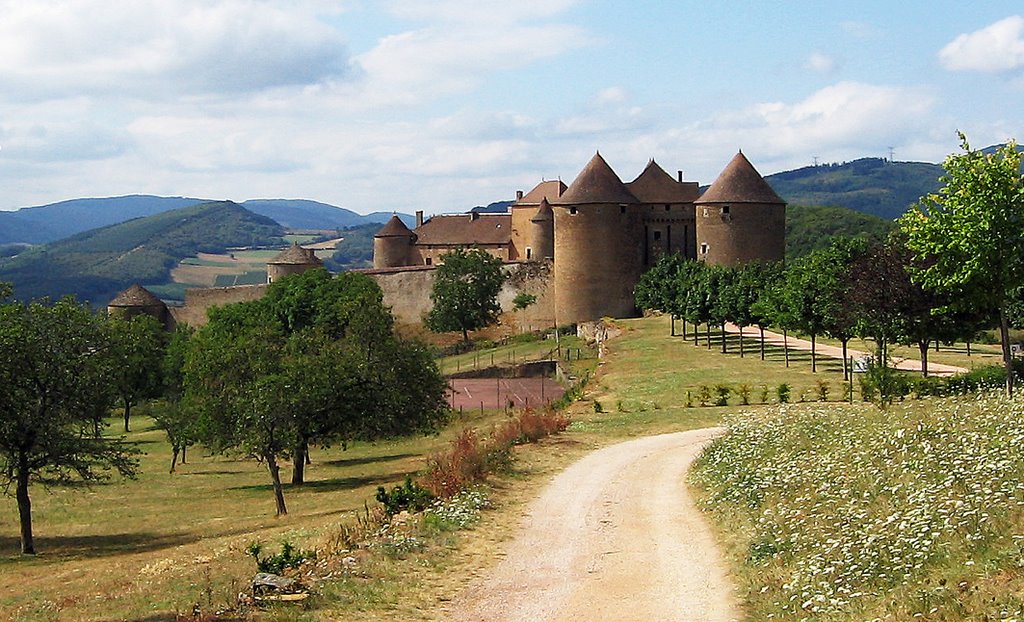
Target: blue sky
444	105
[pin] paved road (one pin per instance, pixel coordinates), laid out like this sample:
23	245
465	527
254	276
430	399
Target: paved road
616	536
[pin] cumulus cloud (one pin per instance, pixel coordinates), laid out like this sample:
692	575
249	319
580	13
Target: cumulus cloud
156	49
997	47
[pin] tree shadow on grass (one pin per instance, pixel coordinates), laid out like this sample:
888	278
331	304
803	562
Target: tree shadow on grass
331	485
347	462
90	546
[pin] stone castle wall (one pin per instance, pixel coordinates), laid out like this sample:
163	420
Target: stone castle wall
198	301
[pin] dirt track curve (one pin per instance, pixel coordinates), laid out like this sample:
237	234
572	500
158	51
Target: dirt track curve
616	536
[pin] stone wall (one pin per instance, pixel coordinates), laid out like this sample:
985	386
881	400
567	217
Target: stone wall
198	301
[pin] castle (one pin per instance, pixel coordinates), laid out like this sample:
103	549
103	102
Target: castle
578	249
601	234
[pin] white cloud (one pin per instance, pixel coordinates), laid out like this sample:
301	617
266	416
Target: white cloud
997	47
611	95
820	63
156	49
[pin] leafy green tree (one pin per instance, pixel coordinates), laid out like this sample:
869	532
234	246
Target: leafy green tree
171	416
55	391
811	292
465	292
971	233
137	350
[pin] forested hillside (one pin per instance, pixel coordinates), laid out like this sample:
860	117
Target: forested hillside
813	227
97	264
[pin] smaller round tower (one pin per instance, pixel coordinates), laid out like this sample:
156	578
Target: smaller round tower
740	218
542	232
137	300
392	244
292	260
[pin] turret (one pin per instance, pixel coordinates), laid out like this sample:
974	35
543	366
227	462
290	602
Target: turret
292	260
740	218
392	244
542	232
137	300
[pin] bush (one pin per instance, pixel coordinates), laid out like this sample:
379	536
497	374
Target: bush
782	392
823	390
723	391
289	557
764	394
409	496
744	392
883	384
704	395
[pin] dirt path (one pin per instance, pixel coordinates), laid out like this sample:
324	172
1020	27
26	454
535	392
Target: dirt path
616	536
836	352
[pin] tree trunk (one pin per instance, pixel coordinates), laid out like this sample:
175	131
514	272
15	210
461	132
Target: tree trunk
761	328
127	412
968	348
723	339
299	463
709	335
923	347
814	360
174	457
741	341
184	447
785	344
684	329
1004	334
275	477
672	331
696	334
465	335
28	547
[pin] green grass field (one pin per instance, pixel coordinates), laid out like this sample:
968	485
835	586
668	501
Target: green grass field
142	550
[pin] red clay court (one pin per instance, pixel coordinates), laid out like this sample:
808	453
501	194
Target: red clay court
495	393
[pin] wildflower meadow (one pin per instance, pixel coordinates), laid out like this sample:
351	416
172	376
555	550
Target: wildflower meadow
845	512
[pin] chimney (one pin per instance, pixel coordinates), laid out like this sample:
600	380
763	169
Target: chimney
680	177
474	215
419	218
519	195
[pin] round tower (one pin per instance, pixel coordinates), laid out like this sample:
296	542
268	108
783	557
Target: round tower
392	244
542	232
599	257
292	260
740	218
137	300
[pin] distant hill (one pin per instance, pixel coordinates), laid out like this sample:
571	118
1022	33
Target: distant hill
47	223
97	264
810	228
498	207
869	185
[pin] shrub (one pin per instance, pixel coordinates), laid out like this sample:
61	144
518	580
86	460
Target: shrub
883	384
764	394
289	557
597	407
744	392
823	390
704	395
409	496
689	399
722	391
782	392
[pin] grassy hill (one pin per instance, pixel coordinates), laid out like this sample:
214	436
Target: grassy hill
809	228
96	265
869	185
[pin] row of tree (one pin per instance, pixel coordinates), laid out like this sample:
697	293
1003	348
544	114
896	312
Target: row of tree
954	267
316	361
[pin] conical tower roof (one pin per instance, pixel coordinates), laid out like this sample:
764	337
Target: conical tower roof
136	296
654	185
740	183
296	255
596	183
394	228
544	212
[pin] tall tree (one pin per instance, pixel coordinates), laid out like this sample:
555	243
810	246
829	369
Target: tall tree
137	350
972	234
55	391
465	292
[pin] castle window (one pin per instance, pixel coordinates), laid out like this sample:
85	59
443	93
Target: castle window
704	248
529	253
725	210
572	210
622	209
429	260
705	212
668	207
657	235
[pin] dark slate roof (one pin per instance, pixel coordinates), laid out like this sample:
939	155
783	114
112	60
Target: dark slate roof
136	296
654	185
465	230
393	228
549	190
296	255
596	183
740	183
543	214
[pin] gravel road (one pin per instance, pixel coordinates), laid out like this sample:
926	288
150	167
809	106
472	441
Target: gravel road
616	536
